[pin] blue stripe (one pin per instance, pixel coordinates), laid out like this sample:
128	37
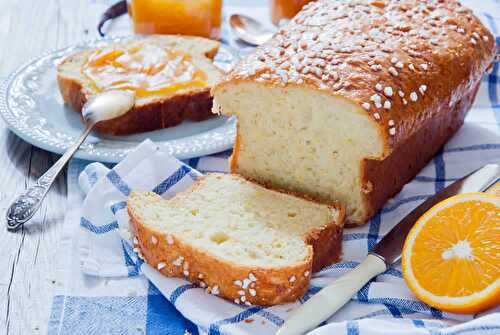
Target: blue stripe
171	180
214	328
118	182
92	175
394	311
179	291
356	236
132	267
436	313
493	78
363	293
118	206
271	317
476	147
98	229
193	162
163	318
426	179
440	172
352	328
373	231
418	323
394	205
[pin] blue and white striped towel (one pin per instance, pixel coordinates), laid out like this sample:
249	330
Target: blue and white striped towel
103	290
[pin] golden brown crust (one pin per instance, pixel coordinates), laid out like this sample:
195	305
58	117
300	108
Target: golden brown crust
273	285
169	112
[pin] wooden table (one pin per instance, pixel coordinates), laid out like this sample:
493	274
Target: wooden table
29	28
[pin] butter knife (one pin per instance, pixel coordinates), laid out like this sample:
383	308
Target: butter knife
387	252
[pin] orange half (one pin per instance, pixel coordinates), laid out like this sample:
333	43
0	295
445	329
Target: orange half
451	257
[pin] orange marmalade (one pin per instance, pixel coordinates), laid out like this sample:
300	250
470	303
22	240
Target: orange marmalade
146	69
186	17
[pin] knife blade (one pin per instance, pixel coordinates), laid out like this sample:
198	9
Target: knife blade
388	251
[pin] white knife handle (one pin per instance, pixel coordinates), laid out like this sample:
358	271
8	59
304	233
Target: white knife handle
332	297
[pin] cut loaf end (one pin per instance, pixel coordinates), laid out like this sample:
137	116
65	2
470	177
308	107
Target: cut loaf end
330	137
237	239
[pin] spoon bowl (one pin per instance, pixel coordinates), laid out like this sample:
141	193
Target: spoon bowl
249	30
108	105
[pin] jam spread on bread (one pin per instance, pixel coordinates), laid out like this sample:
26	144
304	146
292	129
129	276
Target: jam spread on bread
147	69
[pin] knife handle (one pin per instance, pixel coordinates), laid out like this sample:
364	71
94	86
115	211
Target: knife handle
332	297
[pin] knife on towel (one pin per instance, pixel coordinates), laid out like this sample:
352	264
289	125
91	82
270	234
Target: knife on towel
387	252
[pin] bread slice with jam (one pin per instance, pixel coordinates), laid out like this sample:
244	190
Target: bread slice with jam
171	75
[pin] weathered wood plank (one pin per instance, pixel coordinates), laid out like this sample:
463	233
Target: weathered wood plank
29	28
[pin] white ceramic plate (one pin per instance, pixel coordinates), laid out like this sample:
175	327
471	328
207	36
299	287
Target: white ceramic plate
33	109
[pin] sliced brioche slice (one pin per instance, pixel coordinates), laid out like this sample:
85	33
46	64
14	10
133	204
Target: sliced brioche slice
240	240
153	111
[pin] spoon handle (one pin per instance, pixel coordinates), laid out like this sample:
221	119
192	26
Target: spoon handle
26	205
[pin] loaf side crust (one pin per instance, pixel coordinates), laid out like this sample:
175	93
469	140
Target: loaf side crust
386	177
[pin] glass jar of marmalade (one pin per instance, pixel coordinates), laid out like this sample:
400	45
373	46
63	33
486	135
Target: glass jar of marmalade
186	17
285	9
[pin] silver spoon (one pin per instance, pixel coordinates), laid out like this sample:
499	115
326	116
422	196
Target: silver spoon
102	107
249	30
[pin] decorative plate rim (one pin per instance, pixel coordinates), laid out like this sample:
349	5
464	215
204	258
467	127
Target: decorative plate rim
208	142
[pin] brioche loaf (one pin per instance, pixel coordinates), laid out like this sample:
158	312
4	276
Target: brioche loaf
352	98
238	240
153	111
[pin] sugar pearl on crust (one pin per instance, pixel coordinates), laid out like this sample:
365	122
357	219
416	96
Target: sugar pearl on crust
306	274
292	279
388	91
411	67
136	241
391	123
376	116
413	96
401	93
238	283
252	292
248	303
170	239
424	66
387	104
215	290
379	87
252	277
366	105
154	240
161	265
392	131
422	89
393	71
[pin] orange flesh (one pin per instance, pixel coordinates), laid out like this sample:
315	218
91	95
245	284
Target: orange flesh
470	221
188	17
146	69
